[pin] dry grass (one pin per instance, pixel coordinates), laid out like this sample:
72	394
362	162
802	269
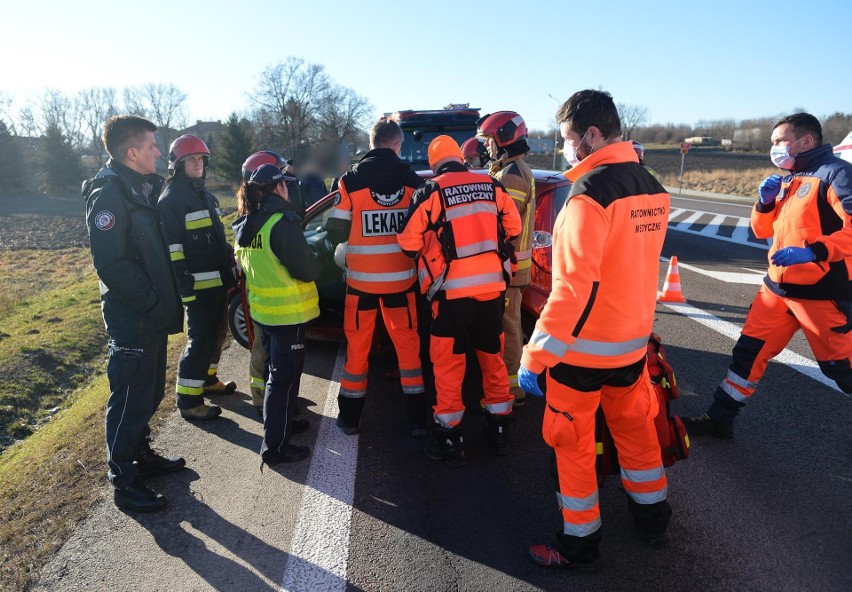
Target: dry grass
727	181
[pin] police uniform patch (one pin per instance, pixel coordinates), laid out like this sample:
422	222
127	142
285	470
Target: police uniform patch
105	220
336	199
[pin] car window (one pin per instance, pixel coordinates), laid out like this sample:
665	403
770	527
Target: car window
560	194
416	142
318	218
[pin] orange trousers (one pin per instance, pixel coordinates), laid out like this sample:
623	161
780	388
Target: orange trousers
769	326
453	323
630	406
359	321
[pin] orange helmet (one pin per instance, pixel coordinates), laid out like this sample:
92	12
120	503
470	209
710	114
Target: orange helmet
259	158
506	127
184	146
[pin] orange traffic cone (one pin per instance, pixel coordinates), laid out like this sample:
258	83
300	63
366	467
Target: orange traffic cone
671	288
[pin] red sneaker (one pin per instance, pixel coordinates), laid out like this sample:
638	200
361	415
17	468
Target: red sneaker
549	556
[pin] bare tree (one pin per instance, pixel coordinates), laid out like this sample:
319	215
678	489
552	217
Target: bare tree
163	104
95	106
290	95
717	128
631	117
342	113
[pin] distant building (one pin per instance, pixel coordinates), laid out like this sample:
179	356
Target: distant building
540	145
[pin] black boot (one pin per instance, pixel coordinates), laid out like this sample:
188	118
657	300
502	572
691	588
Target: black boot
151	464
418	414
138	498
652	520
497	433
446	444
349	418
719	419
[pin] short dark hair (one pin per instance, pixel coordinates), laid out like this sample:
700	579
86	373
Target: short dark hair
385	133
801	124
122	132
590	107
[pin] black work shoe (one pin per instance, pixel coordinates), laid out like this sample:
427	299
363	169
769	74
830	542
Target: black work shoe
288	453
549	556
151	464
446	444
201	412
704	425
348	430
138	498
300	426
419	429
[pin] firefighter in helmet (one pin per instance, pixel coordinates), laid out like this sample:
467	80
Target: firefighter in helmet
505	137
203	263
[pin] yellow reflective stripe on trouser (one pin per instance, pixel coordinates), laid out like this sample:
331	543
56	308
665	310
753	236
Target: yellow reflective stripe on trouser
176	252
196	220
187	386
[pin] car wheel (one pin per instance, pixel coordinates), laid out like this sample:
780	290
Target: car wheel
237	320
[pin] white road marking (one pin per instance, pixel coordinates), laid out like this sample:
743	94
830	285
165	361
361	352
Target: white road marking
739	236
791	359
319	552
729	277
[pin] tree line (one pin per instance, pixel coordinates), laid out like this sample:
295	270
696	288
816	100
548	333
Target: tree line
53	142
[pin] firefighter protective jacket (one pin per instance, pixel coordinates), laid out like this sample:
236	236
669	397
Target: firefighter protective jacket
467	212
368	212
517	178
814	209
279	265
139	298
606	247
199	250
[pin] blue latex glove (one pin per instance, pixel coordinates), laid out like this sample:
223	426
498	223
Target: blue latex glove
793	256
528	380
769	189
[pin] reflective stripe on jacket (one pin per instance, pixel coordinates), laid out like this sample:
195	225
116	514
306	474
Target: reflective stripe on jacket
517	178
275	297
813	209
462	208
606	247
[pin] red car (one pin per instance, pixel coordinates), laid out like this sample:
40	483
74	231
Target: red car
551	191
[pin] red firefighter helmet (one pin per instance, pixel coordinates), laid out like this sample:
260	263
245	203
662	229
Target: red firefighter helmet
184	146
470	147
262	157
506	127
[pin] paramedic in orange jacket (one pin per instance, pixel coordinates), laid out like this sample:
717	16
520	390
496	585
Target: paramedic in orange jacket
469	211
593	333
808	215
368	213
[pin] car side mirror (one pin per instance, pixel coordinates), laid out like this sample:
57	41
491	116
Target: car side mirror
542	239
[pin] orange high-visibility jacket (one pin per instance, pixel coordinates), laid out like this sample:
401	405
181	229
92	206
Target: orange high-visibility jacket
810	212
474	207
606	247
375	264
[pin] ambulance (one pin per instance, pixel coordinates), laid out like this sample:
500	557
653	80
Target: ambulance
844	149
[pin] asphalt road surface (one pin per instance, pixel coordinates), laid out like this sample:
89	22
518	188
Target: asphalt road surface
770	510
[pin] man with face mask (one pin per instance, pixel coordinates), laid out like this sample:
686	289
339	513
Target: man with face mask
808	215
592	334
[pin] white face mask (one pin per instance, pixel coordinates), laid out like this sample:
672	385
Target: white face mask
780	156
570	152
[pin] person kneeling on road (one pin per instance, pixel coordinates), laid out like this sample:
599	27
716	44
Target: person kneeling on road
280	269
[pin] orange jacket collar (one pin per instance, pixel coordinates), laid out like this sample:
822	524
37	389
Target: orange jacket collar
611	153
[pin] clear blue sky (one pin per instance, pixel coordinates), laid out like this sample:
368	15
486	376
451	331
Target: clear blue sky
683	61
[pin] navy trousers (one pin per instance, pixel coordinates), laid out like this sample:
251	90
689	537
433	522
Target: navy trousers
285	359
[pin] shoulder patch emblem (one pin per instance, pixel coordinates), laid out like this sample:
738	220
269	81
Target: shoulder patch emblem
804	190
105	220
336	199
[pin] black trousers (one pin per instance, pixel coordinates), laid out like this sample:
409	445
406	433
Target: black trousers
285	359
206	331
137	382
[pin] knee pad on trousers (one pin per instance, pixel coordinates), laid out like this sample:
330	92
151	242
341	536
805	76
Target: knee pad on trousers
840	372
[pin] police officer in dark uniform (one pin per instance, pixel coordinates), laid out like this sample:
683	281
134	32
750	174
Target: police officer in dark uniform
203	262
139	300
